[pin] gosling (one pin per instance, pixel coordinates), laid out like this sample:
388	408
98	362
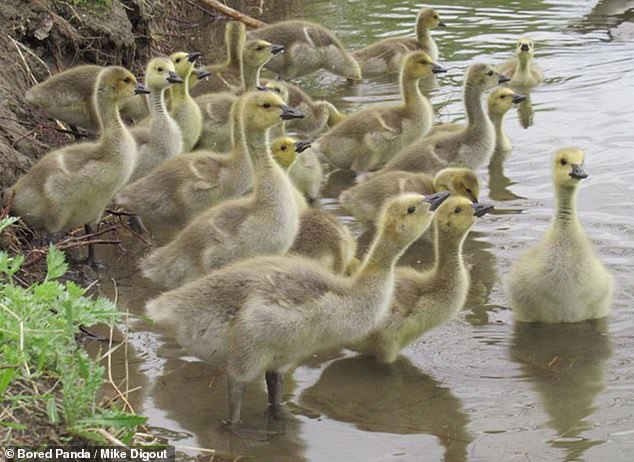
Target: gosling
386	55
309	47
522	71
561	279
182	106
365	199
302	165
365	140
72	186
423	301
470	147
163	138
261	316
264	222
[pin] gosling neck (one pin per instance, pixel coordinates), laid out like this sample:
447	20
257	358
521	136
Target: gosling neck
412	97
381	258
110	123
476	119
156	101
524	63
180	91
500	136
272	184
423	35
250	77
566	209
235	43
448	254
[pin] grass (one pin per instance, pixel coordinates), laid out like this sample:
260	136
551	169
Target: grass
48	382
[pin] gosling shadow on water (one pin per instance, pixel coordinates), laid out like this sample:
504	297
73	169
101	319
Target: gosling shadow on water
566	364
498	182
394	398
194	395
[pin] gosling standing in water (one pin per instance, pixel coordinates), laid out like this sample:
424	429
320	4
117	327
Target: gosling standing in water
426	300
522	71
262	316
560	279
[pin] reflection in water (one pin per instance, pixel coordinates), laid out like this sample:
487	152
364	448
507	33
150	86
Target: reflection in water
566	363
525	110
498	182
194	395
616	16
393	398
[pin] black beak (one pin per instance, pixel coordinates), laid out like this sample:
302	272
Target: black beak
442	24
518	99
289	113
578	172
193	56
481	209
436	69
502	78
301	146
524	47
277	49
436	199
173	77
261	88
202	74
141	90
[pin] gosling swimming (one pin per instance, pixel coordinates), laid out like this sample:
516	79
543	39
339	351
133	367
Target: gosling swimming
560	279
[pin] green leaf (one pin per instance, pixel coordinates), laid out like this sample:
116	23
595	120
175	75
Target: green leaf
55	263
5	379
13	425
7	221
115	421
51	409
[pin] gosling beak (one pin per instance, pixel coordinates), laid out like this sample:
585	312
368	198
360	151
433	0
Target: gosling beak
301	146
261	88
578	172
502	78
173	77
524	47
289	113
193	56
436	199
518	99
442	24
141	90
202	74
436	69
277	49
481	209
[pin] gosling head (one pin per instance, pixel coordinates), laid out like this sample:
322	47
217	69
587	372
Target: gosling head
184	63
264	109
457	215
459	181
256	53
276	86
418	65
483	77
116	83
524	49
501	100
428	18
161	74
404	218
285	150
568	167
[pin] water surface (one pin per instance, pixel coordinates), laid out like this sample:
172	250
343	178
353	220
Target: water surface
478	388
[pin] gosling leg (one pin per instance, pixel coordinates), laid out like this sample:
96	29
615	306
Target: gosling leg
91	247
274	389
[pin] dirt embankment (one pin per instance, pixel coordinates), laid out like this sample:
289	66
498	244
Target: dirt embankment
42	37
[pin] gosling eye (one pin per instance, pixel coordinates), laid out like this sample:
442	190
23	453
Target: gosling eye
502	96
563	162
423	62
259	48
283	148
266	105
469	190
178	60
160	69
411	210
436	16
490	73
127	80
457	210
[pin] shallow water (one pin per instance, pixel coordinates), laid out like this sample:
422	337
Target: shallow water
478	388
